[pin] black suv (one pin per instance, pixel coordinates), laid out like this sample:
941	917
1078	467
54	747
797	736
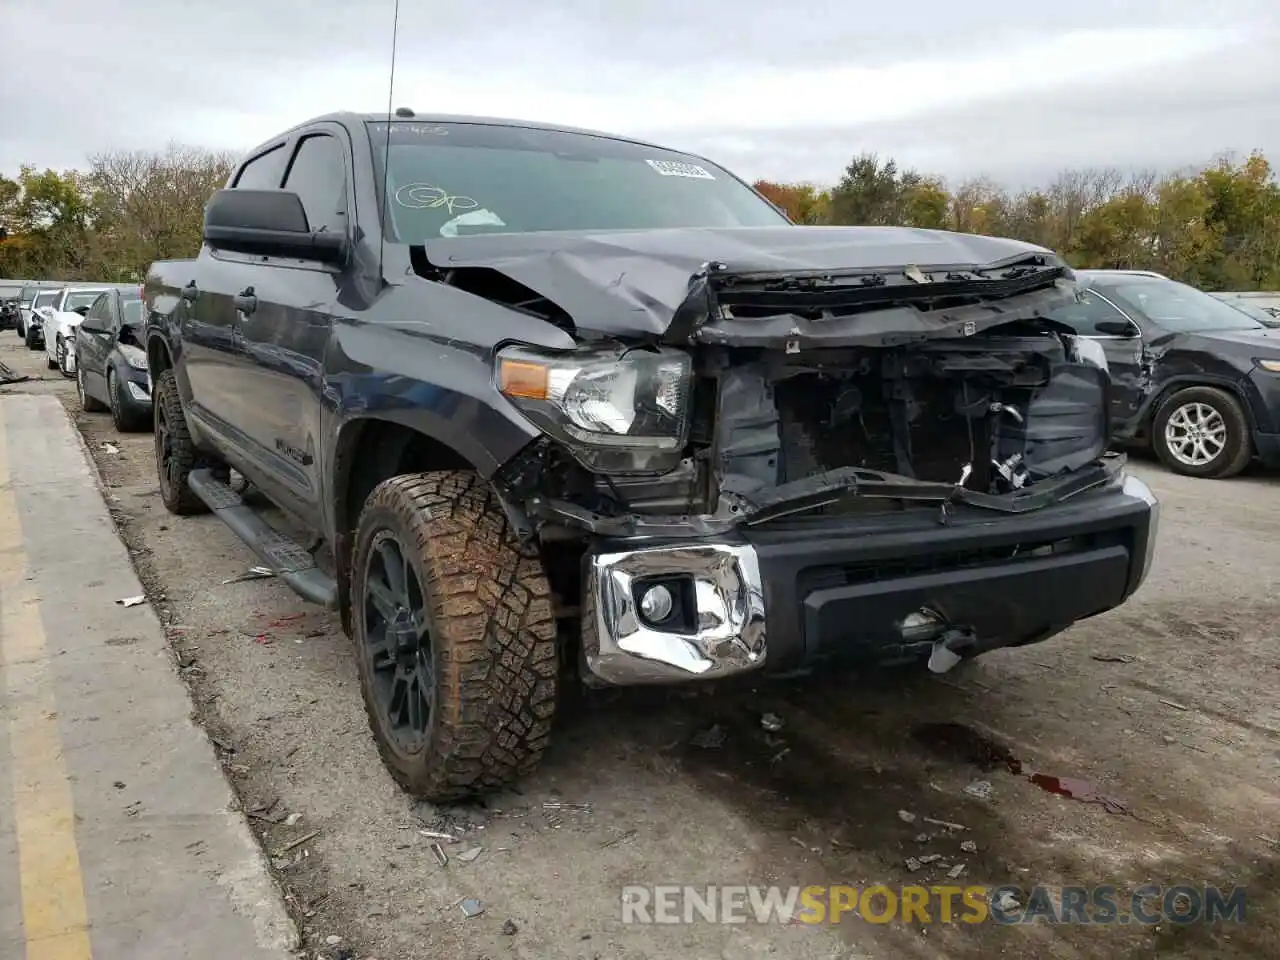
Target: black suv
1194	378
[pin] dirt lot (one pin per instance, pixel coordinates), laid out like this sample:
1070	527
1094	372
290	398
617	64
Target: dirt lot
1167	707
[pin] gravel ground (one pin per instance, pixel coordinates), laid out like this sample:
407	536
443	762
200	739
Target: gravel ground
1168	706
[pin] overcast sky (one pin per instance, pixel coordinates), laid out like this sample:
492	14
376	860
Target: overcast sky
1011	89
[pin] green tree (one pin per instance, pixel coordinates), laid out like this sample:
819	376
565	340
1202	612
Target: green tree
150	205
872	193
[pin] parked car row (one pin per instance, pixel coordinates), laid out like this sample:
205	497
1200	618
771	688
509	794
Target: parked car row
25	296
53	317
89	331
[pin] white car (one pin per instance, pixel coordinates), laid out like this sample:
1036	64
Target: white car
60	324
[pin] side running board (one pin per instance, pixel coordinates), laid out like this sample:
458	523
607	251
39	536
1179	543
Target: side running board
291	562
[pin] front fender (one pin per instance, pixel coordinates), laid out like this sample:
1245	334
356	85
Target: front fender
429	366
444	391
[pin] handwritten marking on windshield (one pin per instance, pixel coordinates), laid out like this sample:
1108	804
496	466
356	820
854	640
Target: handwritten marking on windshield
423	196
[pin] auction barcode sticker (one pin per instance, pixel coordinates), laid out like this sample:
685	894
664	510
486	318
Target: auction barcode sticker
677	168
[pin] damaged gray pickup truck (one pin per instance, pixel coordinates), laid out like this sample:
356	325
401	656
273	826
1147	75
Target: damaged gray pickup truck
538	402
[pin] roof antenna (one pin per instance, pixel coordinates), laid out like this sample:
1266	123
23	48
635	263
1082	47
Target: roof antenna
386	151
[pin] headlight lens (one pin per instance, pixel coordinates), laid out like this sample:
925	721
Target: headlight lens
1271	366
133	356
619	410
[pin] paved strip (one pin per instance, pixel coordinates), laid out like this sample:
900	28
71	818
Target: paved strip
54	919
127	842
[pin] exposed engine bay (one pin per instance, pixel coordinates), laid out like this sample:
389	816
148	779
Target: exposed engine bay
837	430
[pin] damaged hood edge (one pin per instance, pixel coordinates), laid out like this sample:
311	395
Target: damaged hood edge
657	283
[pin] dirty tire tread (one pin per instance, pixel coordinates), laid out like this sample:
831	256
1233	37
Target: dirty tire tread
1239	449
489	603
184	502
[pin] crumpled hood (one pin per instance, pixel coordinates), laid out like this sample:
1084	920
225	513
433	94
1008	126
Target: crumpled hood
633	282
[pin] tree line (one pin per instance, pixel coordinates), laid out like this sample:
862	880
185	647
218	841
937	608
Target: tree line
110	221
1217	227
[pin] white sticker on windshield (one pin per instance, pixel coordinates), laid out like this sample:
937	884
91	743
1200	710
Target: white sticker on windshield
677	168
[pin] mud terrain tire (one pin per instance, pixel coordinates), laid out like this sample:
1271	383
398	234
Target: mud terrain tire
479	620
176	455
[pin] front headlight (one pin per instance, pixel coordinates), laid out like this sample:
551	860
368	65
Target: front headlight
134	356
618	409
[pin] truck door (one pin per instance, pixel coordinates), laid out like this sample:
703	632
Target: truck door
284	324
212	358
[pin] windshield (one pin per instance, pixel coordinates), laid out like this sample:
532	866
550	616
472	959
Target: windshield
1177	307
84	299
455	179
44	299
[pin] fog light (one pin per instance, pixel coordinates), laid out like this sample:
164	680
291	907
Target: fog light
656	604
924	624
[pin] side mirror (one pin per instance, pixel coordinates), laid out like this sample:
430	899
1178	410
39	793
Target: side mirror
83	310
269	223
92	325
1116	328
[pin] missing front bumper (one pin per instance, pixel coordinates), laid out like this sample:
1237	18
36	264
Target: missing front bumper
717	630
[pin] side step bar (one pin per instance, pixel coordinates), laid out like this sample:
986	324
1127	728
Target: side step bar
291	562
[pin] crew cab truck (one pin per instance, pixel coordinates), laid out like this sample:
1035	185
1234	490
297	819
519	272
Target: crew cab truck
562	403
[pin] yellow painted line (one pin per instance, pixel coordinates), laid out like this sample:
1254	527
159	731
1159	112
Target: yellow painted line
54	916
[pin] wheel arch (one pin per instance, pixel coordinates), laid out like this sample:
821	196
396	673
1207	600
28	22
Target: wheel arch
368	451
1186	381
159	358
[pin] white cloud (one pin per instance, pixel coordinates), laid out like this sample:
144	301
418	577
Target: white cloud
769	89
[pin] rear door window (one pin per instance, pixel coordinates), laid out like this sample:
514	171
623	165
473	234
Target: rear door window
265	171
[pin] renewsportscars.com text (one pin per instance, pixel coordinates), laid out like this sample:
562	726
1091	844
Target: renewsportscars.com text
1008	904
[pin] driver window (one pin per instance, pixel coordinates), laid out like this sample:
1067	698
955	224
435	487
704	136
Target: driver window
98	313
1084	316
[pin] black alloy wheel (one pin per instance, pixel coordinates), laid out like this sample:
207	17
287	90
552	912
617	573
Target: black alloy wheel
398	647
170	473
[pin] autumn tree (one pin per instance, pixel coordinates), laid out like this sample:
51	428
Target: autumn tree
802	202
47	222
150	205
